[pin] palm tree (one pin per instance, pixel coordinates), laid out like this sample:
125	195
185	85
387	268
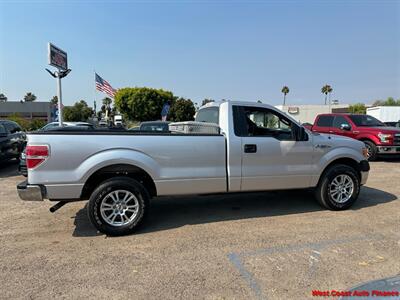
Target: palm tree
107	106
285	91
107	101
326	89
3	98
29	97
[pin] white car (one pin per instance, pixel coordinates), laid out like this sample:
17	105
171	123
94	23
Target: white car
54	125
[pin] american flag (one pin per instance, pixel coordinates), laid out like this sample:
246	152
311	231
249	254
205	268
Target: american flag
103	86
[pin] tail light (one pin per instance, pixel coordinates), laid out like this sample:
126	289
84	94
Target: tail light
35	155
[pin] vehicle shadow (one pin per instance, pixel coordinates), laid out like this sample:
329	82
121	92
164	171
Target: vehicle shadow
174	212
9	168
389	159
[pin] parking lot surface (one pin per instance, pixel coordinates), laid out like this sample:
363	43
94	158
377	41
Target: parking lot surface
275	245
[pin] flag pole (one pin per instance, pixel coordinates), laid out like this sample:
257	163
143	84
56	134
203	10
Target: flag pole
94	93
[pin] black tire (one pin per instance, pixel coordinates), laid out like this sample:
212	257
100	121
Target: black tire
372	150
323	190
102	192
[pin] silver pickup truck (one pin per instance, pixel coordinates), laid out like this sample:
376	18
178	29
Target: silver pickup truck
258	148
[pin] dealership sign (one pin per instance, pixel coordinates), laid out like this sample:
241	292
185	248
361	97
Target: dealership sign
57	57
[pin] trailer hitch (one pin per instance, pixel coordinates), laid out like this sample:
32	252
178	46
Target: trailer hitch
57	206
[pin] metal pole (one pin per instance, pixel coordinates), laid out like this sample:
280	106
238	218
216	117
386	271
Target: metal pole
59	95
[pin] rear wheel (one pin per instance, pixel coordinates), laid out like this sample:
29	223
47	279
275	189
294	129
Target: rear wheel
338	188
371	150
118	206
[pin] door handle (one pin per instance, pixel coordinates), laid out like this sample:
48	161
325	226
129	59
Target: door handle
322	146
250	148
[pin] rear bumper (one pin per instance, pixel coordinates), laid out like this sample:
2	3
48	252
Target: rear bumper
388	149
28	192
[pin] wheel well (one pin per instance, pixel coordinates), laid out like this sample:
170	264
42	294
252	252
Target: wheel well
366	139
118	170
343	161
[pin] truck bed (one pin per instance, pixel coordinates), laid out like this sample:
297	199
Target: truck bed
177	163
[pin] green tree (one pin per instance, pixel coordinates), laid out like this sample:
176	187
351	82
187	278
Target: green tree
3	98
388	102
182	110
36	124
29	97
54	100
205	101
79	112
358	108
326	89
285	91
24	123
142	103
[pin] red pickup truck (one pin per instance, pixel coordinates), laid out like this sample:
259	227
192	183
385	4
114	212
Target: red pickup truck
378	138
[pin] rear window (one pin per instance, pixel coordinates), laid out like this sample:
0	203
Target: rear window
366	120
325	121
208	115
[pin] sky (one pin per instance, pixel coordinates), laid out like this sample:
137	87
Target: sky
236	50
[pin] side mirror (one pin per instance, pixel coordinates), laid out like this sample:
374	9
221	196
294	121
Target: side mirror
301	134
345	127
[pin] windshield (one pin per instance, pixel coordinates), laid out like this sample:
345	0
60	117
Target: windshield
2	129
365	120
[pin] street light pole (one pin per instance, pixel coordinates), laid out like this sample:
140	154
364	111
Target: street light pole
59	95
58	75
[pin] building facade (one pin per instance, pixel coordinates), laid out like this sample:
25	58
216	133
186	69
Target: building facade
307	113
27	110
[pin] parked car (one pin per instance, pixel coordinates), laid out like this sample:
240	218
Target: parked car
154	126
54	125
103	123
377	137
259	148
12	140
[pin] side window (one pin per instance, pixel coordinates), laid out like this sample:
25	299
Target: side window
340	120
209	115
264	122
325	121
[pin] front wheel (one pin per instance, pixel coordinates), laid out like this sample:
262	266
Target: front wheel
371	150
338	187
118	206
